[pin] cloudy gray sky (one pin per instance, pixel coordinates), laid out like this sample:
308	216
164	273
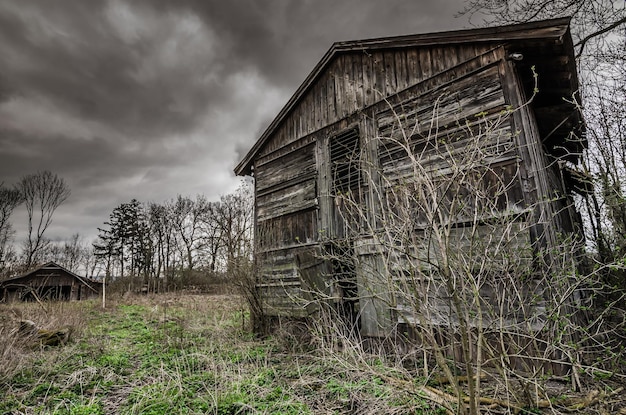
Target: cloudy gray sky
149	99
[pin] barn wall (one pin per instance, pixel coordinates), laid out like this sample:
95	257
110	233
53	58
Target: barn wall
295	207
294	204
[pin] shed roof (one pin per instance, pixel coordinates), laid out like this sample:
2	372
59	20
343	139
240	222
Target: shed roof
531	34
49	267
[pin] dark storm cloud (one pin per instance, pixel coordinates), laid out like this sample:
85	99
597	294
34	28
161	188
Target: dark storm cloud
284	39
81	57
151	98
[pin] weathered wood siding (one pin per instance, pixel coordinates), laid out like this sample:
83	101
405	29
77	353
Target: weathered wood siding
292	206
437	101
357	80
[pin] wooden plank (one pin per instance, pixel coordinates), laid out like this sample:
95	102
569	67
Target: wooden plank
425	63
413	66
379	75
286	149
366	78
331	98
339	88
390	72
288	200
357	73
290	230
293	164
349	97
402	81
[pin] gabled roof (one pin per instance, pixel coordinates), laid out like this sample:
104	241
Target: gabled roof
553	29
51	267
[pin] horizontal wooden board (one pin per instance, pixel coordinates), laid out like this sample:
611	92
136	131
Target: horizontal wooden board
287	200
288	167
287	231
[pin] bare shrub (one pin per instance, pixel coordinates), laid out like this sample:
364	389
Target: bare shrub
459	262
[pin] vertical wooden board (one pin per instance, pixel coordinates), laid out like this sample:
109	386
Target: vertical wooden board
320	120
467	52
339	93
425	62
319	86
413	69
390	72
313	96
306	114
310	114
348	85
322	84
288	129
357	73
300	114
379	75
451	59
369	95
331	99
401	69
437	59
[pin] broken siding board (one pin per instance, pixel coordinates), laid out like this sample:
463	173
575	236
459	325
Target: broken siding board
462	71
457	116
439	163
482	248
289	279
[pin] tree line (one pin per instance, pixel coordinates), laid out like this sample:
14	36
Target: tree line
182	241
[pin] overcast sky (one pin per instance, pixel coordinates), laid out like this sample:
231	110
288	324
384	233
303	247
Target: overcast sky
150	99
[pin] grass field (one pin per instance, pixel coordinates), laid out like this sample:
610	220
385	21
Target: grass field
180	354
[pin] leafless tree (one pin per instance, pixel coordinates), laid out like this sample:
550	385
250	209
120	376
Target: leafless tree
234	216
599	32
187	217
69	253
43	192
9	200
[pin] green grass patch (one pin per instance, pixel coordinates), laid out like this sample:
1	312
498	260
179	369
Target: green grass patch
175	354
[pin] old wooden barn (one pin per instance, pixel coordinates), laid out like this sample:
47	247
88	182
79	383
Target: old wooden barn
49	282
422	112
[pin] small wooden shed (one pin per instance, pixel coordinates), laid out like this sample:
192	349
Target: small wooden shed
353	131
49	282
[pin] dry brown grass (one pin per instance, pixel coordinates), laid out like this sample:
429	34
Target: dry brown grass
18	351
